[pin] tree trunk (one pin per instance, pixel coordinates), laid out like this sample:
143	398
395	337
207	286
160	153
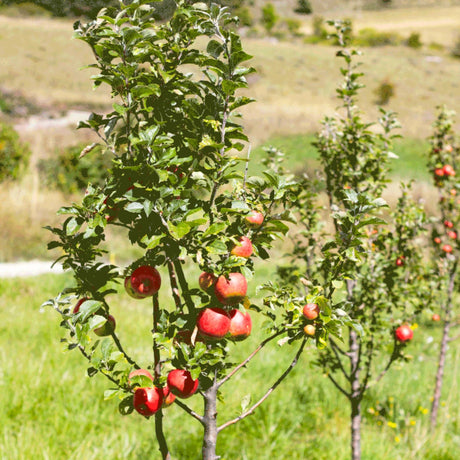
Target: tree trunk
440	374
163	447
355	399
210	423
355	429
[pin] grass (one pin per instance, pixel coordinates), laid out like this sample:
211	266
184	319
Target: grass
51	410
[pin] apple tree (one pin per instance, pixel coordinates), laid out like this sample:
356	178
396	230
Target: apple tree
444	158
364	260
180	192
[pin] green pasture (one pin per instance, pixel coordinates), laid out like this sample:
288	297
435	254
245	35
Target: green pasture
51	410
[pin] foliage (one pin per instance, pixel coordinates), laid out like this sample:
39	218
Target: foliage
414	40
177	191
303	7
456	48
293	25
14	154
374	38
269	17
384	92
368	271
24	9
69	173
245	16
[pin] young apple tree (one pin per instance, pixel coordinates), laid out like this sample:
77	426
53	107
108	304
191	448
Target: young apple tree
177	191
444	159
366	268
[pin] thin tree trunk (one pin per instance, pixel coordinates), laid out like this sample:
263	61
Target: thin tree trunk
443	350
210	423
163	446
355	399
440	374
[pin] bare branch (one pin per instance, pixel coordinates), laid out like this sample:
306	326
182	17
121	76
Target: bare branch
189	411
344	353
339	360
267	394
338	386
174	286
184	285
237	368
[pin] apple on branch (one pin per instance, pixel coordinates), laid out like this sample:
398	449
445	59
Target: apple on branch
243	248
148	400
213	323
240	325
311	311
254	219
181	383
232	289
404	333
143	282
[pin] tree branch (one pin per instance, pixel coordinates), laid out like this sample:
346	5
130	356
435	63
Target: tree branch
267	394
338	386
184	285
339	360
237	368
174	286
189	411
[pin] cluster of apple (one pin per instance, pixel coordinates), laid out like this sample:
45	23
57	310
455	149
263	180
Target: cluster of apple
212	323
452	234
310	312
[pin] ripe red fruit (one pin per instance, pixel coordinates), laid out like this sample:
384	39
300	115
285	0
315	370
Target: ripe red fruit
244	248
404	333
213	323
400	261
206	280
448	170
311	311
254	219
240	325
143	282
453	192
448	224
310	330
437	240
231	290
168	396
439	172
447	248
76	309
180	382
452	235
436	317
144	372
148	400
107	328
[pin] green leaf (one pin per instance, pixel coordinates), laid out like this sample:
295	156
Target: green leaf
180	230
87	308
72	227
134	207
215	228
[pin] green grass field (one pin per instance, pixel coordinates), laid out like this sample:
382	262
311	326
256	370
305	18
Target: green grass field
51	410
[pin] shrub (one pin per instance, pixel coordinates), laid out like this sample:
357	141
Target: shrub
293	26
319	30
245	16
384	92
269	17
24	9
70	173
456	49
303	7
414	40
372	37
14	155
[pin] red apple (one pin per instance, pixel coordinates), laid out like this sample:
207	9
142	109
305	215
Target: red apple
448	224
240	325
206	280
168	396
213	323
453	192
148	400
243	249
144	372
437	240
436	317
448	170
310	330
231	290
143	282
439	172
404	333
254	219
452	235
107	328
311	311
180	382
76	309
447	248
400	261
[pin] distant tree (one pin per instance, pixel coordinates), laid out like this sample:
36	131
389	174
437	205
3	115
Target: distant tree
269	17
304	7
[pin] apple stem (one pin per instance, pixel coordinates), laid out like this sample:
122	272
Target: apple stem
270	390
443	350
